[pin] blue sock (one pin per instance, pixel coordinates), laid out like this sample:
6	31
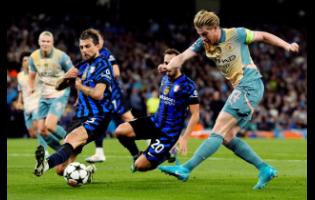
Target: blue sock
59	133
206	149
60	156
41	141
244	151
52	141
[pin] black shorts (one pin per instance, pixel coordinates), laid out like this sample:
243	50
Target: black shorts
95	126
144	128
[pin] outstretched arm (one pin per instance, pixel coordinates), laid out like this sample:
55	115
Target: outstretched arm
194	118
260	36
179	60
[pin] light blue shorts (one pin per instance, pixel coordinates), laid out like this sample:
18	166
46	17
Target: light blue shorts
243	100
54	106
29	118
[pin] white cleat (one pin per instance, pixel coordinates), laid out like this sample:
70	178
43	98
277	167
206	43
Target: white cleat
95	158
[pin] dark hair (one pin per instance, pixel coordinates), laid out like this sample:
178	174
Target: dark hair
90	33
23	54
171	51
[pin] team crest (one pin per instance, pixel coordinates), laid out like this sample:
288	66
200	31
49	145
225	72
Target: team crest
176	88
229	46
166	90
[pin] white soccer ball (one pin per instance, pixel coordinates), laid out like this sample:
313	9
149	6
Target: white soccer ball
76	174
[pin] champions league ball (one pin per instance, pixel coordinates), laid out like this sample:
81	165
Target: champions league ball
76	174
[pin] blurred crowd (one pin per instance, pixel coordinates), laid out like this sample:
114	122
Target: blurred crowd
139	50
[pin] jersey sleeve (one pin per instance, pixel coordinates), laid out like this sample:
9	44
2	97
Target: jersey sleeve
31	65
245	35
112	59
197	46
105	74
65	62
193	96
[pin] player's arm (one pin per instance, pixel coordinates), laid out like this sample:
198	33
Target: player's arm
116	71
193	120
179	60
31	81
261	36
19	104
96	93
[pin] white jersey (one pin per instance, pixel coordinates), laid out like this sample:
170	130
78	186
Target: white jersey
30	101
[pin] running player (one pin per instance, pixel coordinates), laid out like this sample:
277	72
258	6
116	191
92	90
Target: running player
228	48
49	64
177	94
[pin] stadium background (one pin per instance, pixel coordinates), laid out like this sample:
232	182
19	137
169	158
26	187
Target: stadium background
138	41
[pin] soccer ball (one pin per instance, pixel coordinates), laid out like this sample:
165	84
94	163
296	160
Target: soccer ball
76	174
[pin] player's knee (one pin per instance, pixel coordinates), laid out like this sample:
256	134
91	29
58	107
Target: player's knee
50	127
121	131
59	170
140	166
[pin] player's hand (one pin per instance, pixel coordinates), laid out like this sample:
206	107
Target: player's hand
72	74
78	83
162	68
63	83
182	144
293	47
19	106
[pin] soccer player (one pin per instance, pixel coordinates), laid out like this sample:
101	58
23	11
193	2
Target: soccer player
177	94
93	109
121	112
49	64
29	102
228	48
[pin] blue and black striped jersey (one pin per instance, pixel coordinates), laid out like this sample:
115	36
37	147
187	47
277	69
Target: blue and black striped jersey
96	71
175	98
117	93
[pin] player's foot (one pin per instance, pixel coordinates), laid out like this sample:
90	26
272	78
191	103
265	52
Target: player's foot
172	157
265	175
42	164
46	154
96	158
134	158
180	172
91	169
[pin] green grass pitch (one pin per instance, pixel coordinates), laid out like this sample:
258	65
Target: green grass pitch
222	176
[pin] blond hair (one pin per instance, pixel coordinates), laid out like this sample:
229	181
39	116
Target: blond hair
206	18
46	33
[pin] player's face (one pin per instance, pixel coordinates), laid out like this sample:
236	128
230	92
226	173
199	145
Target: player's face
88	49
45	43
208	34
25	63
174	71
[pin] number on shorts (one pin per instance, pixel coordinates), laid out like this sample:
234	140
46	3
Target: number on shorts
157	146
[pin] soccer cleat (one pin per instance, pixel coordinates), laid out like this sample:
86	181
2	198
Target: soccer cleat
91	170
265	175
95	158
42	164
180	172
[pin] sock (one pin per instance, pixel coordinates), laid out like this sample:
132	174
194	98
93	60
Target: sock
60	156
130	144
244	151
41	141
59	133
206	149
99	151
52	141
99	142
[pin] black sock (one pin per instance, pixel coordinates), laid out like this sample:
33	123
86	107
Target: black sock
99	141
60	156
130	144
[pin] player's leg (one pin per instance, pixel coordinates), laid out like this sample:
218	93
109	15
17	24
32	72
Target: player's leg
74	139
55	112
126	136
41	114
99	155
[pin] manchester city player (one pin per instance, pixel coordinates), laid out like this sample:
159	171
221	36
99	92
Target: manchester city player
93	109
228	48
178	94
